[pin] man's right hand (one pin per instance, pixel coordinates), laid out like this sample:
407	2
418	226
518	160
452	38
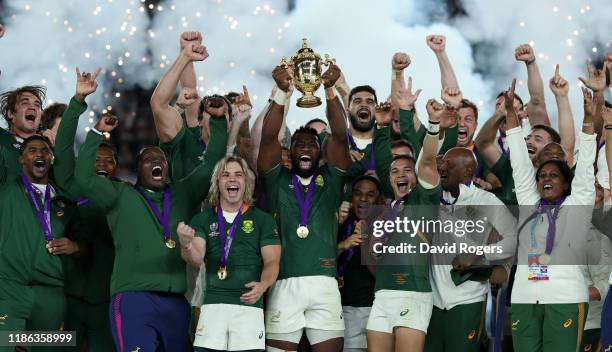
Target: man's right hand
524	53
400	61
187	97
437	43
597	78
558	84
190	37
195	52
107	123
282	76
86	84
185	233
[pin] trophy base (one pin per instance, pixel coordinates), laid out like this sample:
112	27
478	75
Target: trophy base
308	101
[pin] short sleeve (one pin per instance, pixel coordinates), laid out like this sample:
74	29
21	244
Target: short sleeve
268	232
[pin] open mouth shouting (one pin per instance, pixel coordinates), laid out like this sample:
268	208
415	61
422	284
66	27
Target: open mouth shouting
462	135
363	115
403	187
40	166
531	150
157	173
233	190
305	162
102	173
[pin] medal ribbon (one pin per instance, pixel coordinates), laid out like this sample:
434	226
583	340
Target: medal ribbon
346	256
371	164
500	142
43	215
552	212
303	204
226	239
164	217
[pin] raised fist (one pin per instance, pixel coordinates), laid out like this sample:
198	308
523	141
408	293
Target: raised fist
283	76
400	61
187	97
524	53
107	123
195	52
330	76
190	37
215	106
558	84
437	43
452	97
435	110
185	233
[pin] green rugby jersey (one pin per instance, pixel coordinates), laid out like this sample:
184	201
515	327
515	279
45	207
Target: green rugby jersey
255	230
412	273
315	254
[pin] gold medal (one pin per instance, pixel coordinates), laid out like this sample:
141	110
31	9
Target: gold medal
170	243
222	273
48	246
302	231
544	259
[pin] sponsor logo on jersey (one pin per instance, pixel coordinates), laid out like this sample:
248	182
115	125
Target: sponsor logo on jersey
399	279
260	335
515	325
567	323
247	226
319	181
404	312
587	348
275	317
3	318
471	335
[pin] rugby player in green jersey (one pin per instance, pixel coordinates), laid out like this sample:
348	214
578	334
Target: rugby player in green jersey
304	201
242	250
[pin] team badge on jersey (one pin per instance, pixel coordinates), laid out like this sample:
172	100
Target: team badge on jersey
247	226
214	227
319	181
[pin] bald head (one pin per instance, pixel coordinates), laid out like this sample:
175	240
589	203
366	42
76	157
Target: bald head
457	166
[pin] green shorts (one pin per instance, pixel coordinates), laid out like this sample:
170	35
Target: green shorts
460	328
548	327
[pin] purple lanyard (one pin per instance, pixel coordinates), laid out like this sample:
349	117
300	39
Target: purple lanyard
226	239
43	215
164	217
346	256
371	164
500	142
394	210
303	204
552	214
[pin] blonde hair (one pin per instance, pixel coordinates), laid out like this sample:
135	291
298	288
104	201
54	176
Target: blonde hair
249	180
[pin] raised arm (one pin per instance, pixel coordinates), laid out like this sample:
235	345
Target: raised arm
536	108
607	117
427	169
63	166
99	190
188	78
343	89
270	149
522	168
399	62
437	43
242	114
168	121
597	83
485	141
338	140
560	87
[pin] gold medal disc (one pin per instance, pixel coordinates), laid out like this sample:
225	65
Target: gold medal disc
170	243
302	231
222	273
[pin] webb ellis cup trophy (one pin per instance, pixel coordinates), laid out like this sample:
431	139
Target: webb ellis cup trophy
306	66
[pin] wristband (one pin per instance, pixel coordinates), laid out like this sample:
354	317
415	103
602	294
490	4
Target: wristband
280	97
434	128
608	127
587	124
395	74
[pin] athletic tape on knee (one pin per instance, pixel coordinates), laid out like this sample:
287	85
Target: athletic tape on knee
317	335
